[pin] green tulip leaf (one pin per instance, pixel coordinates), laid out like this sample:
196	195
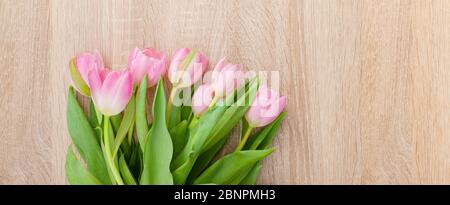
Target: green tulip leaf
135	161
141	113
204	160
116	120
85	139
252	175
110	174
232	116
181	173
186	112
93	119
124	127
158	148
174	117
75	172
264	137
125	172
206	132
179	137
184	162
226	169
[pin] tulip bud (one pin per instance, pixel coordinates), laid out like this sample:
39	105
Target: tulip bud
80	67
201	99
111	90
226	78
265	108
187	67
147	62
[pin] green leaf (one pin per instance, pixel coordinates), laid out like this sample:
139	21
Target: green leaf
105	156
226	169
135	161
206	132
158	148
93	119
175	116
116	121
204	160
124	127
264	137
85	139
75	172
181	173
98	132
186	112
245	127
179	137
252	175
183	163
141	113
232	116
125	172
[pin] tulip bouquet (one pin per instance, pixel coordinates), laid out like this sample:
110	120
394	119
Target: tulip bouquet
116	143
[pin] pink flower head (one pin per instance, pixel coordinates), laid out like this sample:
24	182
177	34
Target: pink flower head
111	90
148	62
265	108
80	68
187	67
226	78
201	99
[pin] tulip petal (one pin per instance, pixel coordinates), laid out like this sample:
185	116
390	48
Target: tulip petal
140	66
123	93
172	73
195	72
146	62
201	99
253	114
132	55
227	79
115	92
218	68
265	108
157	71
180	54
85	62
95	83
187	67
99	60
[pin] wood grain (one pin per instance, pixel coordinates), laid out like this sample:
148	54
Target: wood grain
367	81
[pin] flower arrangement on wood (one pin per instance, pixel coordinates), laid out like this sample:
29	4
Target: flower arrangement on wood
117	144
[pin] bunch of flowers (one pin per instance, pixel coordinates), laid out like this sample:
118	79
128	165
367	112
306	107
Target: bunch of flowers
119	145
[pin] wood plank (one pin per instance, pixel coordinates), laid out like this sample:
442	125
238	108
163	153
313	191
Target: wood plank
367	81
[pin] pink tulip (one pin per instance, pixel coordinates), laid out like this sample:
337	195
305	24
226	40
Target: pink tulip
187	67
80	68
265	108
147	62
111	90
201	99
226	78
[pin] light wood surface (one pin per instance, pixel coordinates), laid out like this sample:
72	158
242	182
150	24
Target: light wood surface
367	81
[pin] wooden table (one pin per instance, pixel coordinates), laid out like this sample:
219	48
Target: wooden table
367	81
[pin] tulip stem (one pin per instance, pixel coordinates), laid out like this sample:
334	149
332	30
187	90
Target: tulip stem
213	102
109	159
169	104
192	122
130	131
244	139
